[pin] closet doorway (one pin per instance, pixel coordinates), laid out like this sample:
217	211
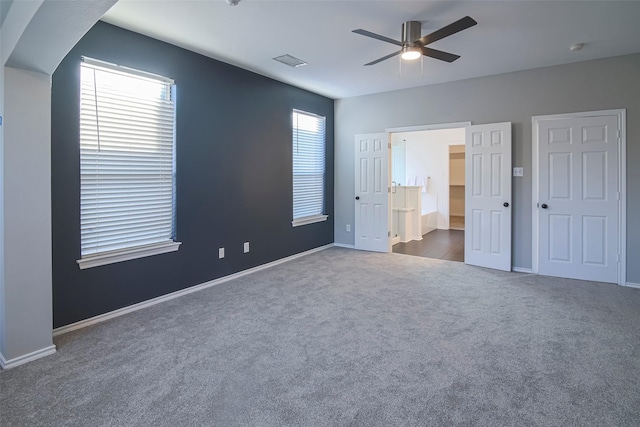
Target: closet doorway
428	193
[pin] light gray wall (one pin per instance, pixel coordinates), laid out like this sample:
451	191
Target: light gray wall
516	97
27	292
4	9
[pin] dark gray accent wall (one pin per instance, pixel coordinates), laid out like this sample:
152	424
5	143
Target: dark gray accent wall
233	179
603	84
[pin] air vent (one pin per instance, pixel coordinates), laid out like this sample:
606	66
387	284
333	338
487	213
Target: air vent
291	61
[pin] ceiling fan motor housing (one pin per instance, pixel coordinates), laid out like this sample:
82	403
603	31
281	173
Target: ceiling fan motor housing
414	46
411	32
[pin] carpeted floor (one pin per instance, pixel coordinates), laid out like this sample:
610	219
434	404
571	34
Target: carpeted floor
348	338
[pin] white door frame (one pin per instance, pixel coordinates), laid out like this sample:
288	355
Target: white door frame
455	125
439	126
622	185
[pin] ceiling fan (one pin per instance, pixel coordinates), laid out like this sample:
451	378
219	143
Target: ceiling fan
413	46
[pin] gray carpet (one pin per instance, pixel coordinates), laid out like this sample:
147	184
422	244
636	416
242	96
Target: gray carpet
348	338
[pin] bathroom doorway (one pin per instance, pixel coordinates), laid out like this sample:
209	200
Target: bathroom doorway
427	200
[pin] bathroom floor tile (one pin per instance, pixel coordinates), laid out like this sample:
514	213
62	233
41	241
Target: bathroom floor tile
439	244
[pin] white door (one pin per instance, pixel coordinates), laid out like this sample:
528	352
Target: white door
487	237
371	195
578	197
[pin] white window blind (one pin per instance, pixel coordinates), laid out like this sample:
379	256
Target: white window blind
309	140
126	159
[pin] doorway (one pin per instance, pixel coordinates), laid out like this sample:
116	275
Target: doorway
487	203
428	192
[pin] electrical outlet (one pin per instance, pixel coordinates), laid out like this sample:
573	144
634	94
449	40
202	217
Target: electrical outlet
220	253
518	172
348	227
246	247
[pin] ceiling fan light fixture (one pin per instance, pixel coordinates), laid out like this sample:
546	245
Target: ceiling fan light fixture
411	53
413	46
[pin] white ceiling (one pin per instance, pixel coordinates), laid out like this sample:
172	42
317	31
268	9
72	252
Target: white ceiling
510	36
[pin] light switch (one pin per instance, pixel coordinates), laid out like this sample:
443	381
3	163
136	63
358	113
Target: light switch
518	171
246	247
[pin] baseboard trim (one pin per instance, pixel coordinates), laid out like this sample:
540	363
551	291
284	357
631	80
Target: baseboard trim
522	270
344	245
144	304
25	358
633	285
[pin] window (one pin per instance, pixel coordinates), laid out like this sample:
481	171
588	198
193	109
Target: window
308	168
126	164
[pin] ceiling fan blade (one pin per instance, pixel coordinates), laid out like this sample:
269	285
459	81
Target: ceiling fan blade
377	36
459	25
384	58
438	54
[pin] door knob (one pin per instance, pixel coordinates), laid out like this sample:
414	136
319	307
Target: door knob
505	204
357	197
544	206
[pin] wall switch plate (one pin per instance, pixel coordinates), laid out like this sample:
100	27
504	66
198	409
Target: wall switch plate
348	227
246	247
220	253
518	171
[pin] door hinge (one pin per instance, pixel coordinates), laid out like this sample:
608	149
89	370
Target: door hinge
388	234
618	258
618	195
389	145
388	189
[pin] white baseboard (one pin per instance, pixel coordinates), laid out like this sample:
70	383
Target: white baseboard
135	307
344	245
633	285
522	270
17	361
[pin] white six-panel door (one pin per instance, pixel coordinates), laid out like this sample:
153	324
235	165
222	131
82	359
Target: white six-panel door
487	237
578	197
371	226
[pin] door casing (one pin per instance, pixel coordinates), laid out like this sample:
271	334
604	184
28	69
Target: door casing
622	185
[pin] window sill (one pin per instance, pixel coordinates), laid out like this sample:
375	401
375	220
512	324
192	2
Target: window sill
120	255
309	220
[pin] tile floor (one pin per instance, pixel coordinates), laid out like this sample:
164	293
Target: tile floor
440	244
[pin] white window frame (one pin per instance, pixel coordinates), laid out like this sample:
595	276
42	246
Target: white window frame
166	245
319	216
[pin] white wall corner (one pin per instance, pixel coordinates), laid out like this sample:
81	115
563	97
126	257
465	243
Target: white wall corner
18	16
35	35
43	32
21	360
27	314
